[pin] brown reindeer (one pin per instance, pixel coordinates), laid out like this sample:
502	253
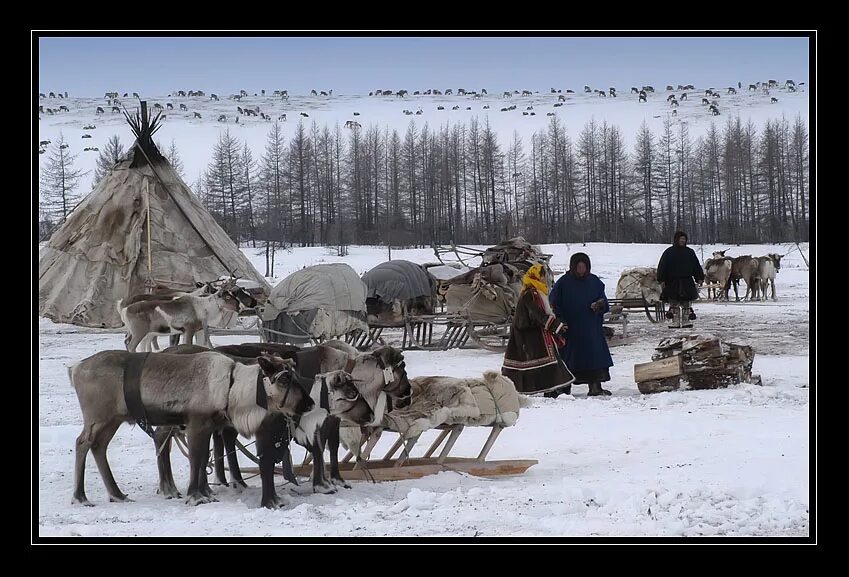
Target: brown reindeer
203	392
745	268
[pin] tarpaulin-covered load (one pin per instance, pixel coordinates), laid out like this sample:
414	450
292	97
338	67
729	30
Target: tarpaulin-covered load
481	301
487	293
397	285
317	302
639	283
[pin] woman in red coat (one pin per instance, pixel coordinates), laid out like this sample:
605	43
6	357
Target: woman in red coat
532	361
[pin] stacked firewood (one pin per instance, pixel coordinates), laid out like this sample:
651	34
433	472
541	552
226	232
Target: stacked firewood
702	362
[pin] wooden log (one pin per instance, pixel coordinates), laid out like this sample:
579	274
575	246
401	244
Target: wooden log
660	369
702	350
659	386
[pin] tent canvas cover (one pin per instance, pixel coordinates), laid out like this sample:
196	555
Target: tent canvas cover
140	225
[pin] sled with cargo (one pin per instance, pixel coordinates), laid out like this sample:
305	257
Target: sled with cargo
450	405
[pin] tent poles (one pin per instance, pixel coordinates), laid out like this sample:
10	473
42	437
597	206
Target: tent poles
149	253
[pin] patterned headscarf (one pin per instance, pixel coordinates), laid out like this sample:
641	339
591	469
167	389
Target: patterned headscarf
535	277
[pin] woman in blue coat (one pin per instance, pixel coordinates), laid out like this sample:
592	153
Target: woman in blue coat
578	301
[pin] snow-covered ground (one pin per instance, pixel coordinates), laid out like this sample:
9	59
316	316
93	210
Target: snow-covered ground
195	137
729	462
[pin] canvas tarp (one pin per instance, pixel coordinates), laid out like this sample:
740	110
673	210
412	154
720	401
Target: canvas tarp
492	303
324	286
322	301
399	279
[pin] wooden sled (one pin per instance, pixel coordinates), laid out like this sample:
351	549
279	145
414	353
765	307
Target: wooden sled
654	312
390	468
437	333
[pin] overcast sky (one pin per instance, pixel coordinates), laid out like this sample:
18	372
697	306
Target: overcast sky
90	66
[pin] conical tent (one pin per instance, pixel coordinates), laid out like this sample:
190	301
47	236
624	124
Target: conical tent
140	226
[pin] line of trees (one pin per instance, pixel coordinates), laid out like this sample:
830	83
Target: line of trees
738	183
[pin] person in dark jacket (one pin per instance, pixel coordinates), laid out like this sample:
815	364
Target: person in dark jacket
677	269
531	360
578	301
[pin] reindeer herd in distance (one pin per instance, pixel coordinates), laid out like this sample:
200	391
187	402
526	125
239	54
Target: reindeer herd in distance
710	100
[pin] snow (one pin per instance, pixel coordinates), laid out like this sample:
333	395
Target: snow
195	137
726	462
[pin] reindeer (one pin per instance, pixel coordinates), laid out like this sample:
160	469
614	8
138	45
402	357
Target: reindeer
213	96
772	100
282	117
115	109
717	270
769	267
643	97
196	115
203	391
184	108
366	385
187	315
746	268
99	110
